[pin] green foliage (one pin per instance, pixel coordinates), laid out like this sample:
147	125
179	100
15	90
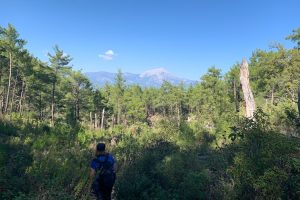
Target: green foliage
171	142
264	162
295	37
161	162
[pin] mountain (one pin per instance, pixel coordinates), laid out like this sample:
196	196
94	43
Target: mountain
151	78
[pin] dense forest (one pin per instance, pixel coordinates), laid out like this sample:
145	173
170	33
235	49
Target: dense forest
171	142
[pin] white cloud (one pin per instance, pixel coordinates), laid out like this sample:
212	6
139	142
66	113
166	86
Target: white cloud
108	55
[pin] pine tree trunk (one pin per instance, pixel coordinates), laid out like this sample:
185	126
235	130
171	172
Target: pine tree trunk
102	118
9	81
95	121
91	120
74	110
53	104
78	111
13	93
24	98
272	95
21	97
40	106
119	113
248	96
178	115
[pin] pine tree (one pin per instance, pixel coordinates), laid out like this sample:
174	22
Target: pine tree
58	63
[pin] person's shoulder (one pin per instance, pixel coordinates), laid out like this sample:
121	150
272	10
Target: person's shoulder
95	160
94	163
111	157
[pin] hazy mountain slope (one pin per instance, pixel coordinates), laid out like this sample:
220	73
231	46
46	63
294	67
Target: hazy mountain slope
151	78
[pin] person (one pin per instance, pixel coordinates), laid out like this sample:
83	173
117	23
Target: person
103	173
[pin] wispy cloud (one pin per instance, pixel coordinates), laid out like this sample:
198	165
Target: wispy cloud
108	55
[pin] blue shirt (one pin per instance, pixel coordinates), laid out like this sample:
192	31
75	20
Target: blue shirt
95	164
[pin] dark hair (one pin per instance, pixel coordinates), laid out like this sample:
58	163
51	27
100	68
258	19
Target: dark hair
100	147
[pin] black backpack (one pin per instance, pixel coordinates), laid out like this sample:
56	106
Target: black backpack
105	176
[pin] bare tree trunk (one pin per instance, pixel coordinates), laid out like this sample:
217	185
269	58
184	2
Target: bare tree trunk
9	81
272	95
248	95
125	122
102	118
91	120
95	121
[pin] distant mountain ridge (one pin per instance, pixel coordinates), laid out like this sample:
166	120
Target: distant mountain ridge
150	78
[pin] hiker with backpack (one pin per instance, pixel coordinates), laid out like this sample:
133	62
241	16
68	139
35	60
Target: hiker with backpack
103	173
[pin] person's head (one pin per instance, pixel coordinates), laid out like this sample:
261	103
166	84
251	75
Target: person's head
100	148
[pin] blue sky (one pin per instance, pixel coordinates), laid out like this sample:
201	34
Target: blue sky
184	36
